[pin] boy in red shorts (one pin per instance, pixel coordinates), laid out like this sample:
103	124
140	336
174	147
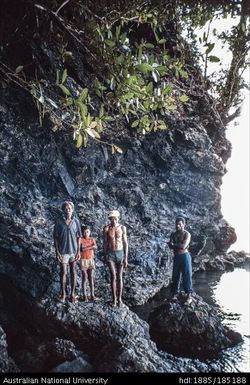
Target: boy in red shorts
87	264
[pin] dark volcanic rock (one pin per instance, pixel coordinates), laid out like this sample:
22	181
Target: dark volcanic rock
78	365
52	355
238	257
40	169
222	262
190	331
115	338
6	363
225	238
157	177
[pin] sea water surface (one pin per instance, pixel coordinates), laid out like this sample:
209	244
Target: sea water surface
230	293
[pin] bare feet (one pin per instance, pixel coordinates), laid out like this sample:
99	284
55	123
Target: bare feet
62	298
74	299
85	298
93	298
113	304
189	300
120	303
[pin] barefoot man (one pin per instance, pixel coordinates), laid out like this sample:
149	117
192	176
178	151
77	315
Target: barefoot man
115	254
182	267
67	237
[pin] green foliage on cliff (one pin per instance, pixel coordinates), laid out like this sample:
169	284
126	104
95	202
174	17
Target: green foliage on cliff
136	64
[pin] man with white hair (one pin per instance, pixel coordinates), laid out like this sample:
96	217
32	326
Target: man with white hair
67	237
115	254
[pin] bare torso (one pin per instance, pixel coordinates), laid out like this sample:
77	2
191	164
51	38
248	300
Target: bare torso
181	240
114	237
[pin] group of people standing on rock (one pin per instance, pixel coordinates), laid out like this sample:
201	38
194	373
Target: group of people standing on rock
74	244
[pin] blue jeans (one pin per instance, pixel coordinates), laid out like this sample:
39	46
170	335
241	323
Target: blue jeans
182	269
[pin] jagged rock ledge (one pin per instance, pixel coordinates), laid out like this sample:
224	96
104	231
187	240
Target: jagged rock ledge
220	262
190	331
116	339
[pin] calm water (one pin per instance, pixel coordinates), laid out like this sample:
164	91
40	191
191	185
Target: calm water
229	292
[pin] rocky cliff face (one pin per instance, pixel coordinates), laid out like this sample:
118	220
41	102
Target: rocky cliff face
156	178
159	176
